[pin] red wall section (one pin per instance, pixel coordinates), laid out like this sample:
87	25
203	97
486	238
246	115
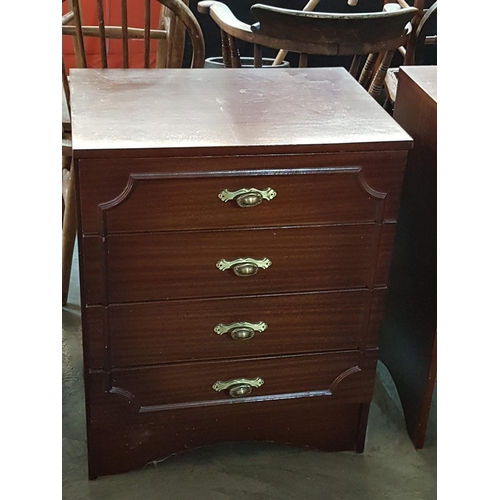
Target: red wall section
112	17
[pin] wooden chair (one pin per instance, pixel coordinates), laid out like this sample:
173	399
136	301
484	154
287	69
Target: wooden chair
371	38
175	17
413	52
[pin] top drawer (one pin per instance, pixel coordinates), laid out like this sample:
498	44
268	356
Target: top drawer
136	197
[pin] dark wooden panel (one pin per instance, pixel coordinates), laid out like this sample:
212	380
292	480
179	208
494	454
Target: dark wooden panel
95	339
376	315
124	445
167	266
346	376
162	332
92	265
416	105
384	254
156	196
408	333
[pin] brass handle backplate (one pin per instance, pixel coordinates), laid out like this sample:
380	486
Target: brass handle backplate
241	330
244	266
238	387
247	198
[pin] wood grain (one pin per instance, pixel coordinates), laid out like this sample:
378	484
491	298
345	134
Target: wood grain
149	167
346	376
408	333
195	182
173	331
125	446
158	266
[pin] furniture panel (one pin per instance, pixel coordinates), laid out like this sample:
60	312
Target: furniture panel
408	332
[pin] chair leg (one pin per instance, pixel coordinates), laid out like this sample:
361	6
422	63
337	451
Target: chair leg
226	51
235	53
367	71
377	84
68	228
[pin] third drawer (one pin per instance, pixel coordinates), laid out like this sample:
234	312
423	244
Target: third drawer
172	331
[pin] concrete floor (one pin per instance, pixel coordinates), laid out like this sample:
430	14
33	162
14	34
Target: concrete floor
390	468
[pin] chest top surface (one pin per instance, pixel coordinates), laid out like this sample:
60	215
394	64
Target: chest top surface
424	77
215	111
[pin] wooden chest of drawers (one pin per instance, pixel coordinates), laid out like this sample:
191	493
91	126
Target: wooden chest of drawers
235	235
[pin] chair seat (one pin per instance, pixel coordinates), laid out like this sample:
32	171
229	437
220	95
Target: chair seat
66	121
391	84
66	145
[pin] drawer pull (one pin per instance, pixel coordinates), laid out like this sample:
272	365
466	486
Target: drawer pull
248	198
244	266
242	330
238	387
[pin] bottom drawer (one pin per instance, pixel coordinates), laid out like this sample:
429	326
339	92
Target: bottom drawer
346	376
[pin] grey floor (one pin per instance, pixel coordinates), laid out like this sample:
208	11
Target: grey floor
390	468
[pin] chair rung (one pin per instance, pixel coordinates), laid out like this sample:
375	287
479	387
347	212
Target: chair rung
115	32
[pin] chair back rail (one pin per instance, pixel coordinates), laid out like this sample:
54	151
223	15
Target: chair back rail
372	38
337	34
422	36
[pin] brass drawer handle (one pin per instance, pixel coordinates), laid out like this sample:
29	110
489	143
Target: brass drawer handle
244	266
241	330
238	387
247	198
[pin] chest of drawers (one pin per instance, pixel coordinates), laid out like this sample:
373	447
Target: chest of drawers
235	236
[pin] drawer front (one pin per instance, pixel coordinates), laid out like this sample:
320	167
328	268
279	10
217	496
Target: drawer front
347	375
184	265
170	331
176	194
169	204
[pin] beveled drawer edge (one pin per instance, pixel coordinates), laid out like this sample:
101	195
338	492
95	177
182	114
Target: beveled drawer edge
402	146
250	296
249	399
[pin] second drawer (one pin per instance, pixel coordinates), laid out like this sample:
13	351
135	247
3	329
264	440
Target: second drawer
161	266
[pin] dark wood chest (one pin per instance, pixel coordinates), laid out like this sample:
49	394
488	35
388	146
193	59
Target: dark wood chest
235	237
408	344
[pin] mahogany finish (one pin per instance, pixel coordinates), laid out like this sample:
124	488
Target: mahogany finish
363	184
157	266
152	228
163	332
322	423
408	334
186	201
345	376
